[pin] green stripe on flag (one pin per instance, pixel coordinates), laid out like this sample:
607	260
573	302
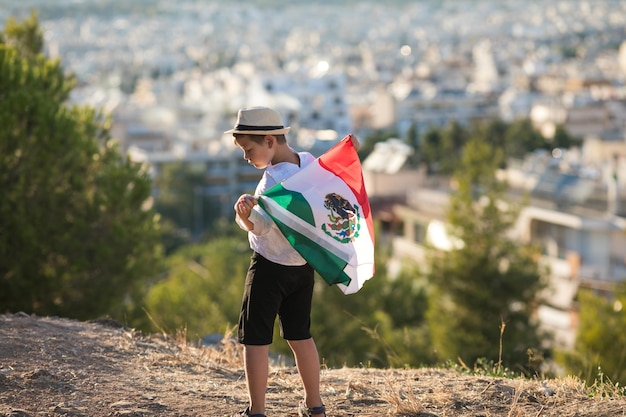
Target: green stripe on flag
328	265
292	201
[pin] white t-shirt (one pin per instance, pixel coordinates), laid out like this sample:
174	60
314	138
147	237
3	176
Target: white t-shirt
265	238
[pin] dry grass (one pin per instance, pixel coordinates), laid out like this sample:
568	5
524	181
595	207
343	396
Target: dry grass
402	399
57	367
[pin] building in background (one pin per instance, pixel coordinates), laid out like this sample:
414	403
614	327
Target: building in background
576	214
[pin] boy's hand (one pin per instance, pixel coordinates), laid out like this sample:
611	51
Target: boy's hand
244	205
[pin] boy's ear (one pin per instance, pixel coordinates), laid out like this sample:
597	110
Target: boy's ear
270	140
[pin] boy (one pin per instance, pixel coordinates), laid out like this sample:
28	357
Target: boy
279	281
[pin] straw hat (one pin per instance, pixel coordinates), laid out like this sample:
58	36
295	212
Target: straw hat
259	121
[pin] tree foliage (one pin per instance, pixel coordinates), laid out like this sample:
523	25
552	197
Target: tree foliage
369	142
201	289
75	238
25	36
487	280
382	325
440	149
183	205
521	138
600	341
562	139
412	138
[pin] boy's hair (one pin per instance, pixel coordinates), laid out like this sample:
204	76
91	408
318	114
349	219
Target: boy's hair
259	138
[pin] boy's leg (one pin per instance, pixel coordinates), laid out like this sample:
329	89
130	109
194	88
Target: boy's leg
308	364
256	365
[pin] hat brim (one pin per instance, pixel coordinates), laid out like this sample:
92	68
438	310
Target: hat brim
259	132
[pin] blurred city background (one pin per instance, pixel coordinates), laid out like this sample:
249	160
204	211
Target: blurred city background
541	84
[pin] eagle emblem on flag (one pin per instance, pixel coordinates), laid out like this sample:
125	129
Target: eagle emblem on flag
344	218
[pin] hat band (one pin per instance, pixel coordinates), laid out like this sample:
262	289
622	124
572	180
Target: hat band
248	127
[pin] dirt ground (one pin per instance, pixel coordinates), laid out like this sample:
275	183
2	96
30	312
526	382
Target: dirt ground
60	367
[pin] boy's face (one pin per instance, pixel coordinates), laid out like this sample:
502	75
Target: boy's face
257	152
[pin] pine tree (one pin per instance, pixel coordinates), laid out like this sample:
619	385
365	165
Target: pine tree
75	236
488	283
25	36
600	349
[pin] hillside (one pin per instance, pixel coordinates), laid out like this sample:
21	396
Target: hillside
61	367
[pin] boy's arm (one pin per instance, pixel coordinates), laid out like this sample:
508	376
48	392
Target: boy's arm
250	218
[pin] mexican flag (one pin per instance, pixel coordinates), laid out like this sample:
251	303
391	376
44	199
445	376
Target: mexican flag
324	213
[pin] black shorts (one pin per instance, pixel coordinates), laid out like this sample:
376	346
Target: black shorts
272	289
